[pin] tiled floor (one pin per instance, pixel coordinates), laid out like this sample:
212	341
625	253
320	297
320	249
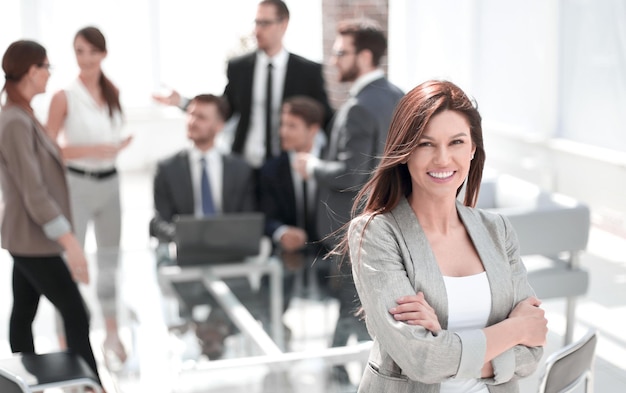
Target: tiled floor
167	361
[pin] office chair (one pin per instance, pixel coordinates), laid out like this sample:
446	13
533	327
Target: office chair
26	373
569	366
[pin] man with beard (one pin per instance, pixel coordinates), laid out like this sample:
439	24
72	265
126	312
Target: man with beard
357	137
202	181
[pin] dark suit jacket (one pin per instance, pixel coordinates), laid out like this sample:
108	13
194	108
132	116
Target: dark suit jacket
278	197
173	191
303	77
357	139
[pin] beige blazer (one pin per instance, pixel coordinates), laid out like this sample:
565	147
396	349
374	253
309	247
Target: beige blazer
392	258
34	188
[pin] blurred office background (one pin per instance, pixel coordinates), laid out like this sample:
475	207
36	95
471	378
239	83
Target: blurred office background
549	77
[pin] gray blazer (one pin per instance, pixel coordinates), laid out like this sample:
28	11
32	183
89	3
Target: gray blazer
391	257
34	188
173	191
356	142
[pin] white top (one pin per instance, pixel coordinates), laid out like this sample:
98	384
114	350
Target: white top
469	305
215	167
88	123
254	149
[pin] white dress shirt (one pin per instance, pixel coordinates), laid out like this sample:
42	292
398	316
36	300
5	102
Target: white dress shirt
215	167
254	149
297	187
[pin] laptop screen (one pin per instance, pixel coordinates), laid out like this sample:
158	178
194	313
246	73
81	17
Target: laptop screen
224	238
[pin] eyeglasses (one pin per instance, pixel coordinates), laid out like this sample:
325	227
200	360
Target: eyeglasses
266	22
342	53
47	66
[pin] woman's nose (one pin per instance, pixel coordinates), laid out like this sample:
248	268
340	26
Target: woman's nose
442	155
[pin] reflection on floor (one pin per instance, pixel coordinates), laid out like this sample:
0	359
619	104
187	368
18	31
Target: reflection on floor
165	355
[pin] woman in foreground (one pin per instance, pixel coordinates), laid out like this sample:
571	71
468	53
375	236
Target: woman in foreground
442	286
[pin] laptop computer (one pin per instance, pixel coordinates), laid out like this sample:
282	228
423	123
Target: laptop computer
218	239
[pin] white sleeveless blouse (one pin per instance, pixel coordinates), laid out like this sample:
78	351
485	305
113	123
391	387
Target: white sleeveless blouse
87	123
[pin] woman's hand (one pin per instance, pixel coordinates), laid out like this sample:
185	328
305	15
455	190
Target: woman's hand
101	151
106	150
124	143
531	322
414	310
76	260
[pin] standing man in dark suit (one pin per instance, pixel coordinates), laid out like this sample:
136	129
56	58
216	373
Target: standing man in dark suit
256	136
289	201
202	181
357	138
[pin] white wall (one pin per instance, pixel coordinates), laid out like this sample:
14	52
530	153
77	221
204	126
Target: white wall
531	73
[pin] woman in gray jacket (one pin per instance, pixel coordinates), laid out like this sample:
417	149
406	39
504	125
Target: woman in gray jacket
444	291
36	227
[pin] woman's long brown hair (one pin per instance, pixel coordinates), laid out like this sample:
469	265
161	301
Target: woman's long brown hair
391	180
110	93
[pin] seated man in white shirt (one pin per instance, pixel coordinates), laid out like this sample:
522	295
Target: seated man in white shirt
178	190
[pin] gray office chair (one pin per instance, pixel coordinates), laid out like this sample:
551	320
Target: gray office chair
570	366
26	373
551	225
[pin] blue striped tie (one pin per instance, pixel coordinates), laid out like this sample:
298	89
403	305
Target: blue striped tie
208	209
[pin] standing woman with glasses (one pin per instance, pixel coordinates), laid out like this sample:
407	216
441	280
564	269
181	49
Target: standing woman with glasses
87	119
37	228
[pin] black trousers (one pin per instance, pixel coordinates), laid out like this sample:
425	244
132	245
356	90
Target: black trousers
48	276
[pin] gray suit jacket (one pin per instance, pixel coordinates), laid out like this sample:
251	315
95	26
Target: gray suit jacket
391	257
34	188
173	191
357	140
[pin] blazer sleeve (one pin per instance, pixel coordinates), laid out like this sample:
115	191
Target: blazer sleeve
519	361
161	226
239	193
19	152
319	93
229	90
354	163
380	275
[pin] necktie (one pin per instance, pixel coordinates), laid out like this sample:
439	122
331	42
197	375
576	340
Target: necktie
208	208
306	214
268	113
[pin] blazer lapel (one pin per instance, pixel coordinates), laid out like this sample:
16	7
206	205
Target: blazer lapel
286	179
493	259
290	78
339	123
229	189
422	257
248	76
48	143
184	180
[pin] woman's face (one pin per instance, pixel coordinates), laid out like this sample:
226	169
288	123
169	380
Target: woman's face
40	73
441	161
88	57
